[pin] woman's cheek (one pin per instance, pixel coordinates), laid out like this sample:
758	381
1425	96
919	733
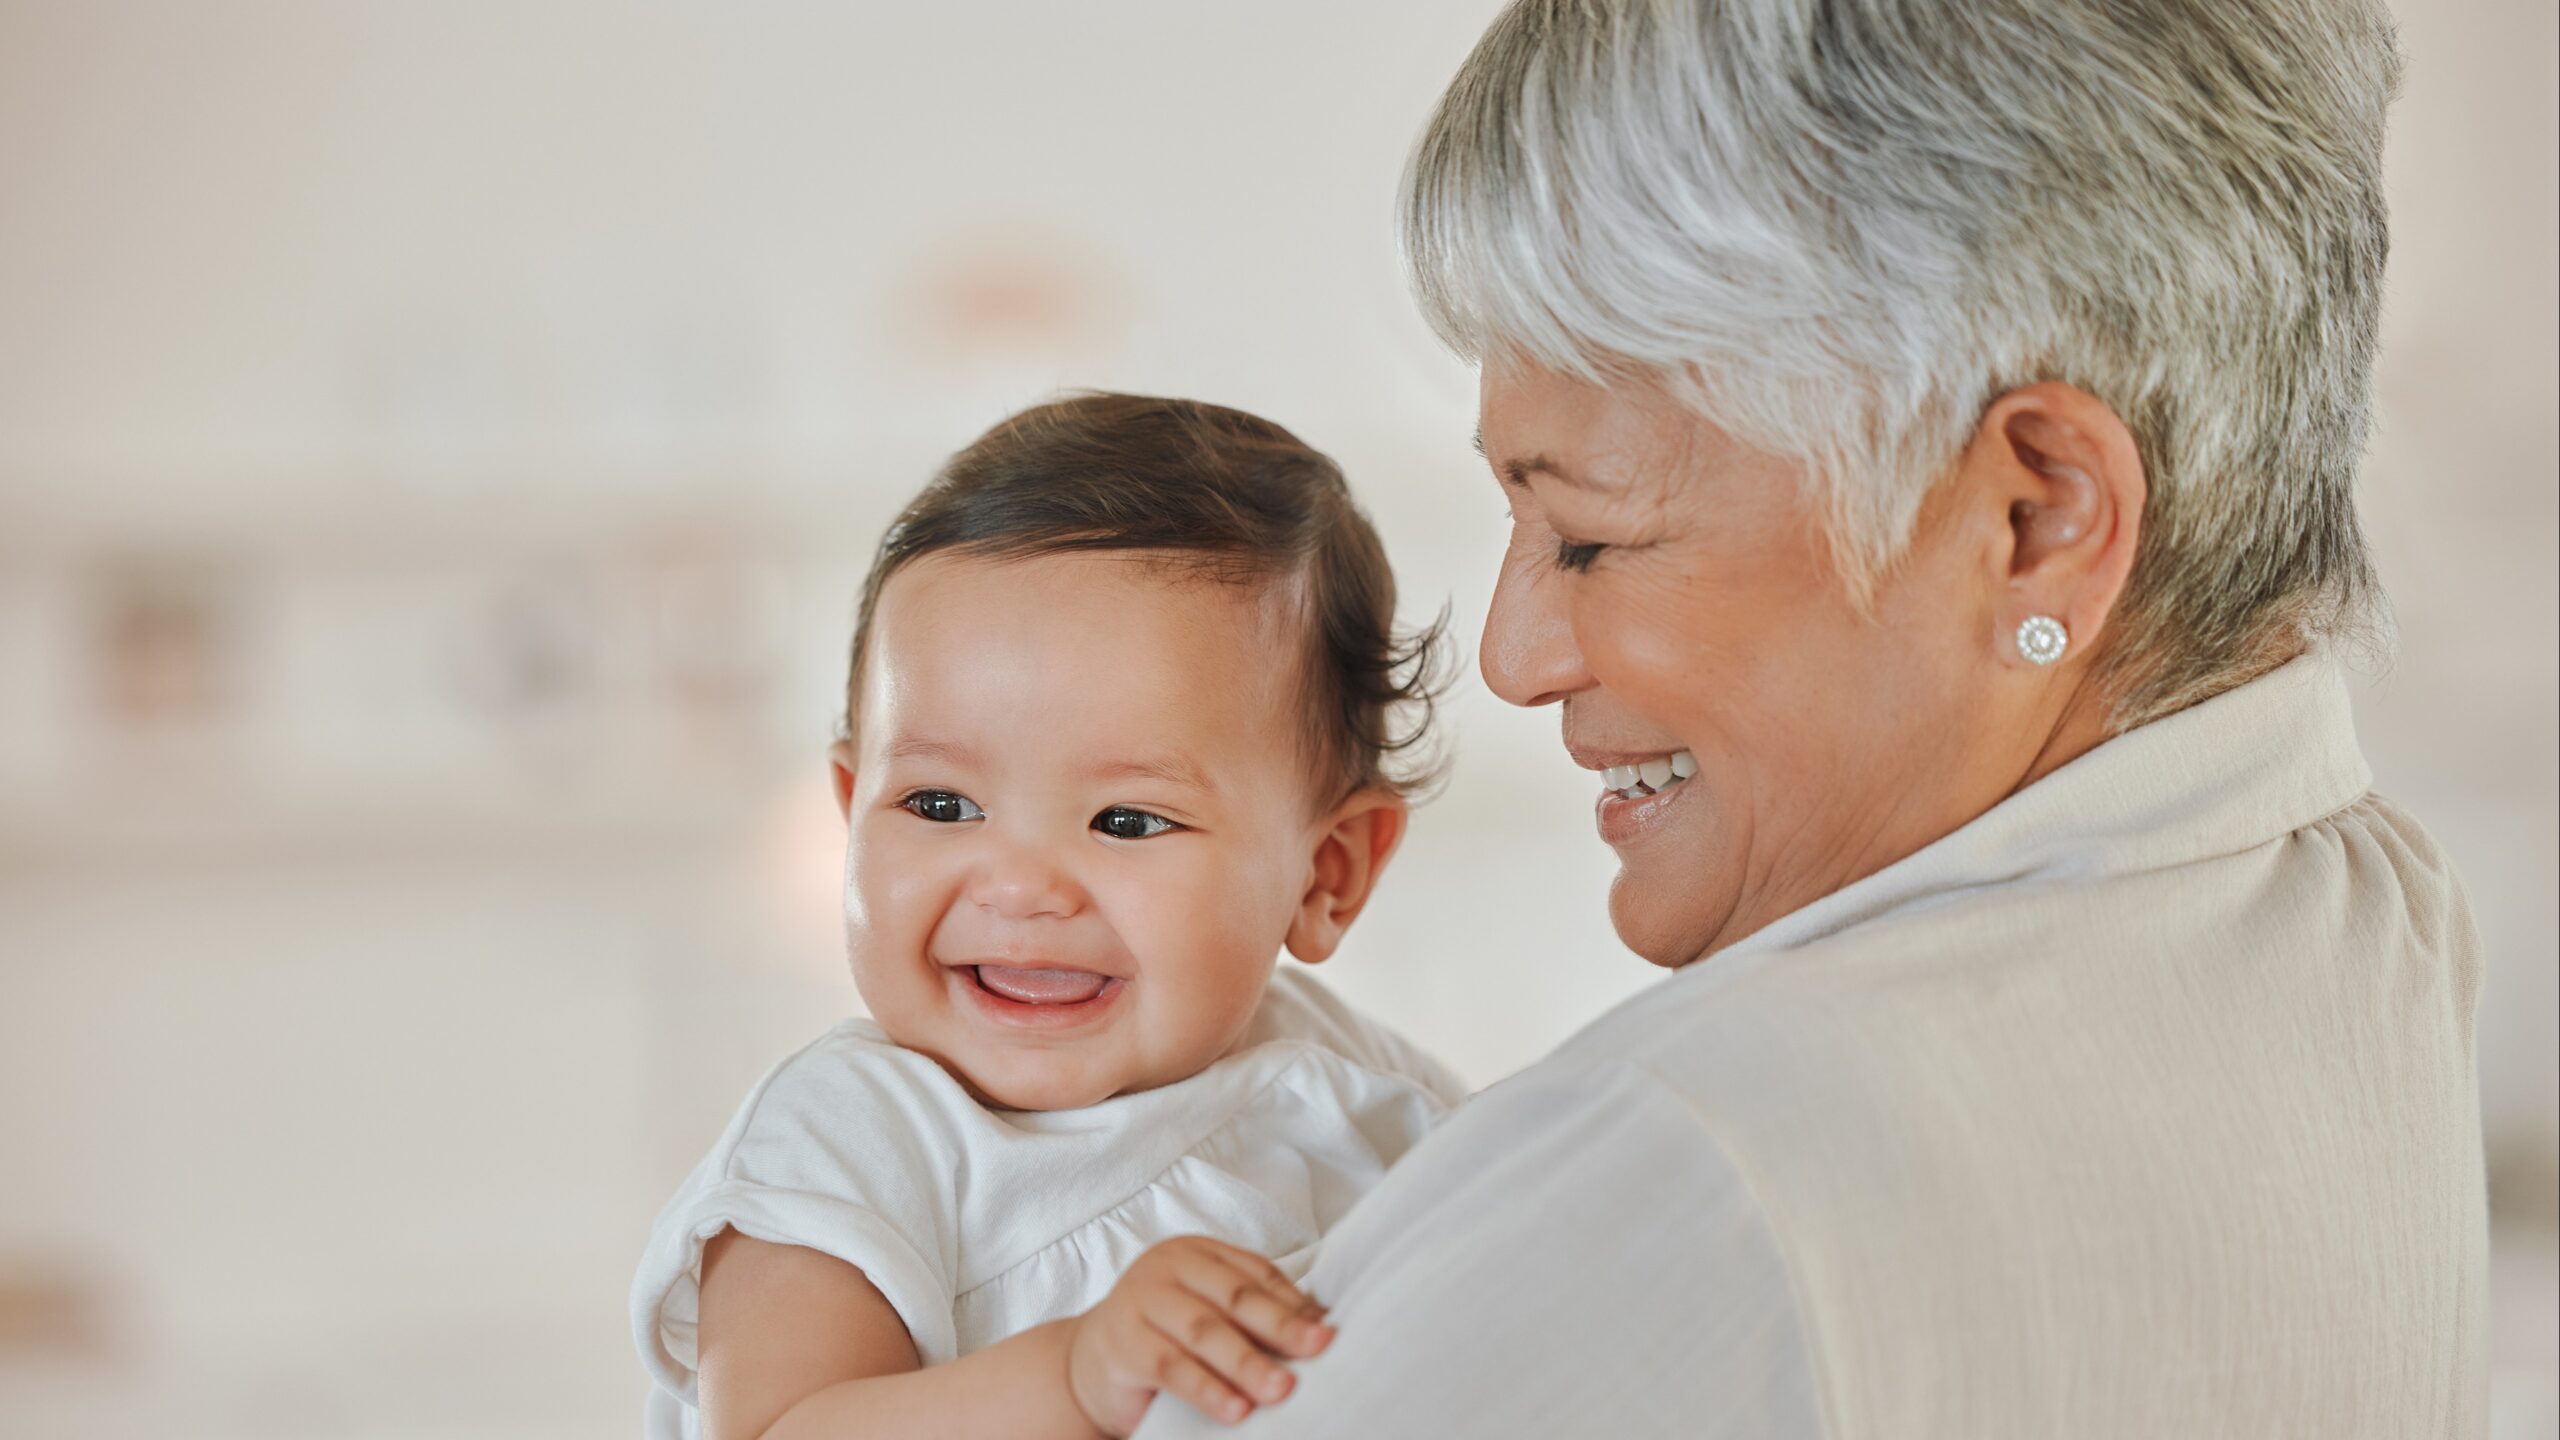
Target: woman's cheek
1646	658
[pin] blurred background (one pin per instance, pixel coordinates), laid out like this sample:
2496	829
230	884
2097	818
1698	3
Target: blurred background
438	448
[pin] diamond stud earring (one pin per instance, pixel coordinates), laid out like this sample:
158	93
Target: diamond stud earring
2042	639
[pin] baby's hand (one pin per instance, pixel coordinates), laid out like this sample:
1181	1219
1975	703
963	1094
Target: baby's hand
1199	1318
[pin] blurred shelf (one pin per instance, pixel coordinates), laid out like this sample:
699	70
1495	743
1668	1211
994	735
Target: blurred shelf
487	817
268	522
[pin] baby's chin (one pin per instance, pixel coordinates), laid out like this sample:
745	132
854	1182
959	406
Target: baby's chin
1040	1095
1053	1079
1060	1073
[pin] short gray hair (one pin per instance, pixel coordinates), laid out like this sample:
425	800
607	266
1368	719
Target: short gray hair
1841	228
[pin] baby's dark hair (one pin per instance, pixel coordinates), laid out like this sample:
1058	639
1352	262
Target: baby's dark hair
1213	494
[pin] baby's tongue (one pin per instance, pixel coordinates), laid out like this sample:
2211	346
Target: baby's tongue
1042	987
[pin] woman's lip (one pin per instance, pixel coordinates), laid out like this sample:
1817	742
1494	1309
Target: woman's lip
1018	1015
1599	760
1623	821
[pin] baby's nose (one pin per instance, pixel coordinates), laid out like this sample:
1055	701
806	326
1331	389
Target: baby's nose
1024	884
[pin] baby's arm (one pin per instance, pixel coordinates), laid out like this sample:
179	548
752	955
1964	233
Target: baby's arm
797	1345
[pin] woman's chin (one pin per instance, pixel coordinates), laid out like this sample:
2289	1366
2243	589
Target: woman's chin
1667	924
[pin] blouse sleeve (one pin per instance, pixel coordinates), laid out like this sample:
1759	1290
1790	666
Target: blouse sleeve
835	1150
1572	1253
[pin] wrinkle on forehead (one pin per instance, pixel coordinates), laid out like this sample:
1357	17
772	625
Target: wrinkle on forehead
1632	442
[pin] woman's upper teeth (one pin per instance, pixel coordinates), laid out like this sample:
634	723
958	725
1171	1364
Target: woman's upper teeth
1648	776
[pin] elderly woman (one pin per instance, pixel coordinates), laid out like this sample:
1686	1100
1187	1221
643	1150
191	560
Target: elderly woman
1929	428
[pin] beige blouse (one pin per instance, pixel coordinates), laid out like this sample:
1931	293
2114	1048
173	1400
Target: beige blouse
2142	1106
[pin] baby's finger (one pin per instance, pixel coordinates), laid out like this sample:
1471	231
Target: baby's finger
1202	1273
1220	1344
1269	1276
1179	1372
1269	1308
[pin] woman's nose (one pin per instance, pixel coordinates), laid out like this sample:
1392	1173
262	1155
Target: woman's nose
1022	883
1528	655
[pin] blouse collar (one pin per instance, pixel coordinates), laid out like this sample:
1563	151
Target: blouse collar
2248	766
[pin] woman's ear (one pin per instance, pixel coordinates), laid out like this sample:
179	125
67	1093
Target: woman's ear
2067	477
840	771
1352	848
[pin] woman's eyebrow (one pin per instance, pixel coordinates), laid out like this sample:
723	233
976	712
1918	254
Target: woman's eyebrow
1517	472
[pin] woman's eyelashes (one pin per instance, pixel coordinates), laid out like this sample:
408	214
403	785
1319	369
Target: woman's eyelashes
1576	555
943	807
1127	822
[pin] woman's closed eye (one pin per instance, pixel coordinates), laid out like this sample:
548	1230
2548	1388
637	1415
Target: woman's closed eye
943	807
1576	555
1127	822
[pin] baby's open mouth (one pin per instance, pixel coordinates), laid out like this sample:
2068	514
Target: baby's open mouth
1040	987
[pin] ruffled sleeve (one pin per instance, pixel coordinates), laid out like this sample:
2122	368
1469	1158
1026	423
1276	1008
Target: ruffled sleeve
843	1149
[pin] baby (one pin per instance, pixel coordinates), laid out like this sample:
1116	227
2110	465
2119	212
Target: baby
1125	705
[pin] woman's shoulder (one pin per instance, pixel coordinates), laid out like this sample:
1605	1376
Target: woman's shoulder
1532	1164
2079	1000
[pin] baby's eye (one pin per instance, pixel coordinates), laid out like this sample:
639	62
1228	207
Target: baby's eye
943	807
1124	823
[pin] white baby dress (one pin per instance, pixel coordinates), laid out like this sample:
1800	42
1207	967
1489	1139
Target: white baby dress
978	1224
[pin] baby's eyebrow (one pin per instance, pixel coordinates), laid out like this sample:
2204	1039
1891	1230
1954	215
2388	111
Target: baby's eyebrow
916	747
1173	769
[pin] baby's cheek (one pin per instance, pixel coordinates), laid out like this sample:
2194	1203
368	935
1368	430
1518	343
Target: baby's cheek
1195	965
890	889
1234	971
891	906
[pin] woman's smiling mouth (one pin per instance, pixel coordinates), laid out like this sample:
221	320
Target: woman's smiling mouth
1635	794
1648	777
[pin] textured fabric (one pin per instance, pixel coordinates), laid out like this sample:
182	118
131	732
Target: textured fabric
976	1224
2142	1106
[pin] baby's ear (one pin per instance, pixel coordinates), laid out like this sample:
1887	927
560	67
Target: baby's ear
1352	848
840	771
